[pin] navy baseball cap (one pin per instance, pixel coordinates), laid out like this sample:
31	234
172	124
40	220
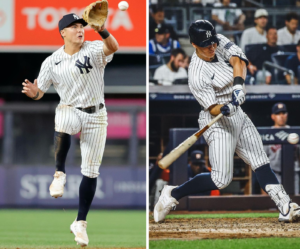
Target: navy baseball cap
162	29
197	156
278	107
69	19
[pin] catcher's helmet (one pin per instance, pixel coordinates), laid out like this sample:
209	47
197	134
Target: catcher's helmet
203	33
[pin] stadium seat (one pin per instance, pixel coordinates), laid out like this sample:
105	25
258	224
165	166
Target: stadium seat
280	59
291	48
237	37
183	81
165	58
298	72
250	46
155	60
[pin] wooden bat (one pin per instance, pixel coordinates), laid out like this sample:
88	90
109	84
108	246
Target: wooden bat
185	145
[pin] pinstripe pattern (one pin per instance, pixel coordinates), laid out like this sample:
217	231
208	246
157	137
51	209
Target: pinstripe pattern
212	83
78	80
76	89
93	134
227	136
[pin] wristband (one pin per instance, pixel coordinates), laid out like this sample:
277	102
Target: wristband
104	34
238	81
36	96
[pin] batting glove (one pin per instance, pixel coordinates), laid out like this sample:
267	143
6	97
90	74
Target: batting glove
228	110
238	95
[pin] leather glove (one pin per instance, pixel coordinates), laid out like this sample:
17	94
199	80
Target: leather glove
96	14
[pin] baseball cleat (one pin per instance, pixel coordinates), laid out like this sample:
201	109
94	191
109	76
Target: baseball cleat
78	228
57	186
293	215
165	203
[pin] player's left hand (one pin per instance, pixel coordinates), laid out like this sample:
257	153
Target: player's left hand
98	29
238	95
228	110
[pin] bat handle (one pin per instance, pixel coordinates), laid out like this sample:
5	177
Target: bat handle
215	120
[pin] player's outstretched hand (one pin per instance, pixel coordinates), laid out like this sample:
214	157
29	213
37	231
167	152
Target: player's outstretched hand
228	110
238	95
30	89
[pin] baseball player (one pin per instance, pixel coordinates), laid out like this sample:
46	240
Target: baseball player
273	151
76	71
216	79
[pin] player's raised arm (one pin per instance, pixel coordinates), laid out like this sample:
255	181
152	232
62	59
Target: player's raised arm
31	90
110	43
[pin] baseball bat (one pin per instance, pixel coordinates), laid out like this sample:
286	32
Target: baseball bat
166	161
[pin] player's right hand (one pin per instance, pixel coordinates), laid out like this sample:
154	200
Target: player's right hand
30	89
228	110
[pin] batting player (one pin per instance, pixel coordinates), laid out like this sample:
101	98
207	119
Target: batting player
76	71
216	79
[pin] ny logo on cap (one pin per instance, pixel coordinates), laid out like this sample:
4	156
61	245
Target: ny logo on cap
208	34
198	156
76	17
280	106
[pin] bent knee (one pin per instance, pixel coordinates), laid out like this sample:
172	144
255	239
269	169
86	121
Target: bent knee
91	171
222	183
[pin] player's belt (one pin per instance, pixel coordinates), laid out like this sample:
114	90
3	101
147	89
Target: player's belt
91	109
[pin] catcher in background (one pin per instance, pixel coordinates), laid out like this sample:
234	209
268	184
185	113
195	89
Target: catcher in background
76	70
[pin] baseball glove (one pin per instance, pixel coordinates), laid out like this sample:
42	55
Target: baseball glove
96	13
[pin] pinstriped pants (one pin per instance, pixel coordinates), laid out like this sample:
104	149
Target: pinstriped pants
93	134
227	136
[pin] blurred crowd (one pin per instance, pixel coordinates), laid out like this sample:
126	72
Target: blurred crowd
279	46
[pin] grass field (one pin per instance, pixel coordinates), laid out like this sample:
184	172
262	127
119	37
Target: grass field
246	243
51	229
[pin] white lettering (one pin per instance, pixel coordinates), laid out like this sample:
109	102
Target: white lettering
267	137
43	20
72	188
121	19
29	189
44	182
30	13
99	193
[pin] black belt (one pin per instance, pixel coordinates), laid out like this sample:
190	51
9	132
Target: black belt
91	109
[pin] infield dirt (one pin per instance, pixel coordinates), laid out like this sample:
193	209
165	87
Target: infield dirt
215	228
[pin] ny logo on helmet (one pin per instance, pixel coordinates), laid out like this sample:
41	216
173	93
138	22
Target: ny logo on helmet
86	65
208	34
76	17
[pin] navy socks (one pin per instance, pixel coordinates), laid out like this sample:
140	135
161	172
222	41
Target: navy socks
62	142
87	191
200	183
265	176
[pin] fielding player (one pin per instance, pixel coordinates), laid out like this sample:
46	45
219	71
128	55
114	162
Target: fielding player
216	79
76	71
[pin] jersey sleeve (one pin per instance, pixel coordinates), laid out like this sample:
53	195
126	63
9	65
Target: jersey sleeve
44	80
203	92
96	48
229	49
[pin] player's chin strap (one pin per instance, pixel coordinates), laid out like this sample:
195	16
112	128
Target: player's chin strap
280	197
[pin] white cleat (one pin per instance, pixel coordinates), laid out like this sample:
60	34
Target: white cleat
165	203
78	228
293	214
57	186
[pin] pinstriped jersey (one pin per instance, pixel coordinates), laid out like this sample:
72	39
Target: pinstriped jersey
78	79
212	82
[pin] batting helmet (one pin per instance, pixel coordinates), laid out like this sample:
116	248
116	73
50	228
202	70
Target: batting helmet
203	33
